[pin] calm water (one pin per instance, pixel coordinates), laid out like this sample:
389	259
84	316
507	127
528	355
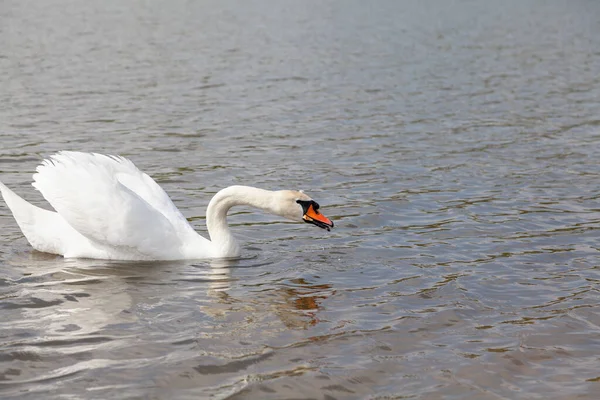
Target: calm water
455	145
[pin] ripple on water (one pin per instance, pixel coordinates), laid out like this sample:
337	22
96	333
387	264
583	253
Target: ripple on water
454	147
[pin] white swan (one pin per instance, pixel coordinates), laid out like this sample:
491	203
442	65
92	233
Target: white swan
106	208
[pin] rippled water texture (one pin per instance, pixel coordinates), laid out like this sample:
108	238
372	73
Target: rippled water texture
454	143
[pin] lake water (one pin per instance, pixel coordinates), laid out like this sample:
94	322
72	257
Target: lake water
455	145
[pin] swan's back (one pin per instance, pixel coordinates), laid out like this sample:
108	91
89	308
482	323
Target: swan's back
114	205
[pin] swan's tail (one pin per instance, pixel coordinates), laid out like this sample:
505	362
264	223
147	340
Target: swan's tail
17	205
35	222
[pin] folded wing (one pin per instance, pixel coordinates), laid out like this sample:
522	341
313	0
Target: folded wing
111	202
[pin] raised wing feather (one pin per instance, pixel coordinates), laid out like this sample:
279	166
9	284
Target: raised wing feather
109	201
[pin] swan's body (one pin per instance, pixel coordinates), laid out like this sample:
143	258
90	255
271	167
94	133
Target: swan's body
106	208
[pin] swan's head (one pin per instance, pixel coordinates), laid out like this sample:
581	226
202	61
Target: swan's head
297	206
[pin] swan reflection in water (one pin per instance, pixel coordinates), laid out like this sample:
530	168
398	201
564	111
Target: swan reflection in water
296	303
64	297
175	319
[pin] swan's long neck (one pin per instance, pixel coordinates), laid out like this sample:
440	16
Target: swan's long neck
223	241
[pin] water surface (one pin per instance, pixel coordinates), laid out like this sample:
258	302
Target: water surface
454	144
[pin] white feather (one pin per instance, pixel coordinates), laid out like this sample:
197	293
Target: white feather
112	203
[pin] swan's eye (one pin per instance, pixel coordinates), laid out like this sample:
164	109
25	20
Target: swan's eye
306	204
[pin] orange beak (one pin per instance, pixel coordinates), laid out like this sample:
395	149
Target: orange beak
314	217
